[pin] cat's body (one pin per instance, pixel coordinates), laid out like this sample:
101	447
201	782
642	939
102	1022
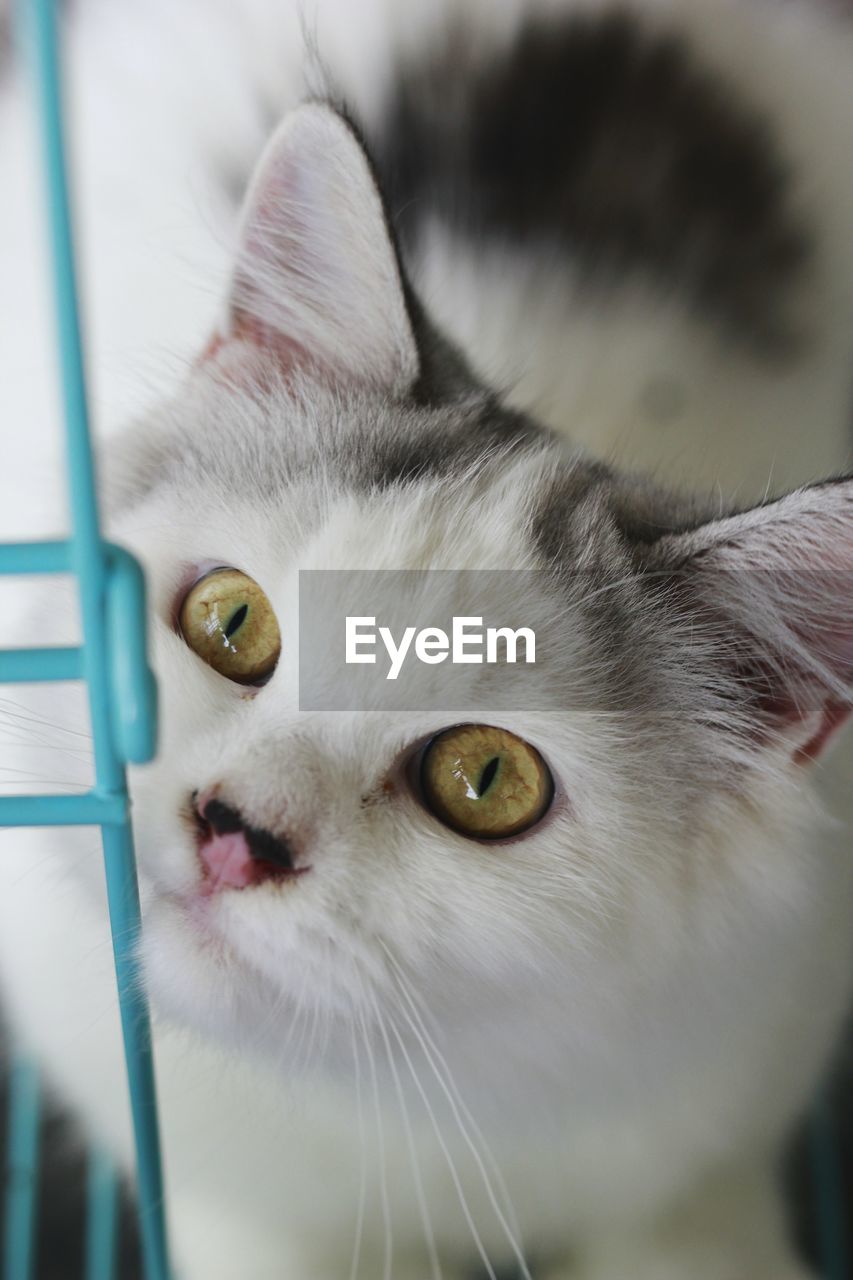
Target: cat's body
610	1023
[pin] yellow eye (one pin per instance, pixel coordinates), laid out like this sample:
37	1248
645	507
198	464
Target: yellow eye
485	782
228	621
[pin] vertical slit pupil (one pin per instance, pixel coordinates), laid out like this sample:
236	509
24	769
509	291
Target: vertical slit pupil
235	622
487	777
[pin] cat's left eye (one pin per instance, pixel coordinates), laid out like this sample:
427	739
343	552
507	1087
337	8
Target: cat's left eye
485	782
228	621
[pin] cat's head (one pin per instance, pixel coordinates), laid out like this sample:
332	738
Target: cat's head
302	861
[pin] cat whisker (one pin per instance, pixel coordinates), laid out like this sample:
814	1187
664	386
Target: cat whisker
19	711
616	585
28	742
39	864
362	1182
465	1121
311	1041
380	1135
435	1264
445	1150
415	1001
298	1053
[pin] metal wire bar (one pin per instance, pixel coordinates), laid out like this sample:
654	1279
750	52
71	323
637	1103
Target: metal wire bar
21	1170
35	557
123	896
101	1217
112	660
85	810
20	665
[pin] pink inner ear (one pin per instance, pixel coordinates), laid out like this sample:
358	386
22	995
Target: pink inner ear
214	345
834	716
250	350
786	708
807	691
253	355
316	285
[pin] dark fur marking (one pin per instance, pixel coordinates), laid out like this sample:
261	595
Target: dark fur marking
611	142
468	441
637	513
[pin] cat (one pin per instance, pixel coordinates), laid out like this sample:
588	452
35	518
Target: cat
386	1046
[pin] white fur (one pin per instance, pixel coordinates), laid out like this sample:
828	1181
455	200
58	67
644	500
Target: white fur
625	1031
647	1000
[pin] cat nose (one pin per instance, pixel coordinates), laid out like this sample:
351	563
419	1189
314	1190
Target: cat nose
234	853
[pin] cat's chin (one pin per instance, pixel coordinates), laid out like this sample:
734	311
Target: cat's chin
198	982
194	977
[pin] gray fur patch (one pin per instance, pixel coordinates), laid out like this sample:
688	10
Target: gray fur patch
613	143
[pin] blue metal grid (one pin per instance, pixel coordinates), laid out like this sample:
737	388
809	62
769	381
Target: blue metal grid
122	705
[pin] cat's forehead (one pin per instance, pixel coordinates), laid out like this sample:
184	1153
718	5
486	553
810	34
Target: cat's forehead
400	482
213	434
307	478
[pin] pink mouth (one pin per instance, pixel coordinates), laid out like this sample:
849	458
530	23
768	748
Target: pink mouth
229	862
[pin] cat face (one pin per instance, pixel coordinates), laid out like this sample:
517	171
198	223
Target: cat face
295	862
377	867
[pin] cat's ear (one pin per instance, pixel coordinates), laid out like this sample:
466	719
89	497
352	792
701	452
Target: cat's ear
773	587
317	285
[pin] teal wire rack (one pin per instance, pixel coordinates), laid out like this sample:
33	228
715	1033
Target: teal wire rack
122	705
122	702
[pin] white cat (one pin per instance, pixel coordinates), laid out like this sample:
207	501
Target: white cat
388	1046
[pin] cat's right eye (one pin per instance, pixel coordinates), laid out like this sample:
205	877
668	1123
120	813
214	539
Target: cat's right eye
229	622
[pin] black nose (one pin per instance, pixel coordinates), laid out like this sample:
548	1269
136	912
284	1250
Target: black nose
263	845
